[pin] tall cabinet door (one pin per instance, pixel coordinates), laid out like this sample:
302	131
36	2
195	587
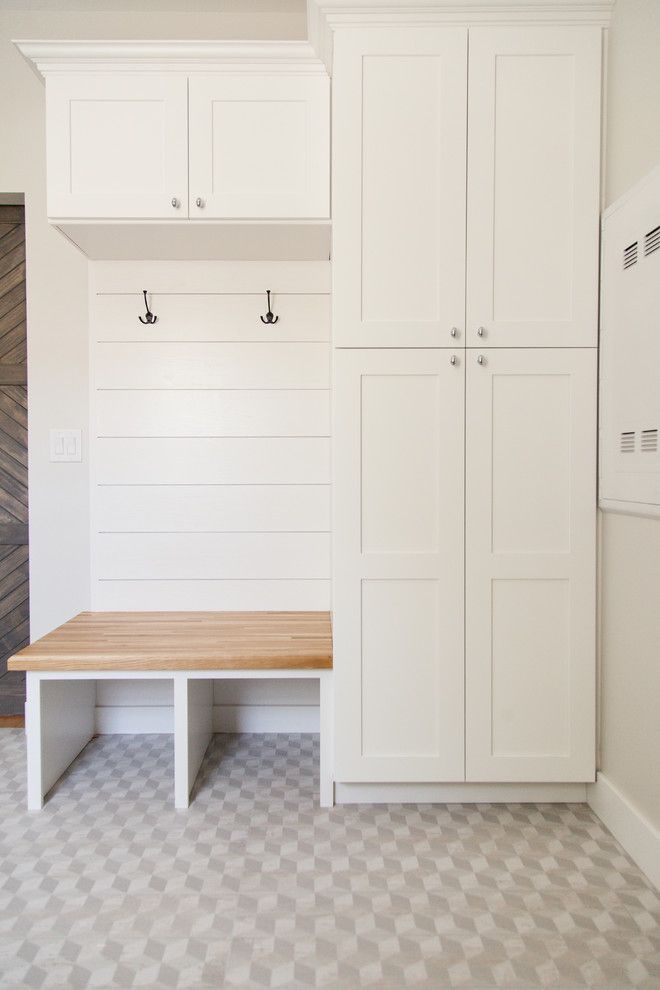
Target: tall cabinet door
398	186
530	565
117	145
398	565
533	186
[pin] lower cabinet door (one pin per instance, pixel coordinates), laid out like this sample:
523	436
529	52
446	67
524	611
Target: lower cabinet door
530	564
398	565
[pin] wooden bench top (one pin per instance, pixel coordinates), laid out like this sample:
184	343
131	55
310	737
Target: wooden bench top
183	641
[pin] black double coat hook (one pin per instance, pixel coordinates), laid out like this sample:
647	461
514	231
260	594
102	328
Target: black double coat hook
269	318
150	318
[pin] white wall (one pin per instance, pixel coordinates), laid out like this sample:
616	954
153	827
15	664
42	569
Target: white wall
57	278
630	650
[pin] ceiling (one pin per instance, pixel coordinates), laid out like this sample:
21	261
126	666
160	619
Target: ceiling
151	6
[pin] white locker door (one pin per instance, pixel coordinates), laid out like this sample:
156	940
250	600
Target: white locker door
117	145
398	174
398	565
533	186
260	145
530	564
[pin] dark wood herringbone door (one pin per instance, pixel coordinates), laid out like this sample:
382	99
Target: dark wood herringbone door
14	600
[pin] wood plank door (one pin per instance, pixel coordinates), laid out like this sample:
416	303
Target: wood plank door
530	564
398	186
14	600
398	565
533	186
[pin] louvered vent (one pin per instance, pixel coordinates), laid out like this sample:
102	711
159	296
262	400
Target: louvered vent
630	255
652	241
627	445
650	441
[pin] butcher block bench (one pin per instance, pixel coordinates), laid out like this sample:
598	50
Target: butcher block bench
191	649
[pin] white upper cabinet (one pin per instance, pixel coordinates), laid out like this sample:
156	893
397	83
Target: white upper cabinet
259	146
117	145
398	165
530	564
533	186
186	130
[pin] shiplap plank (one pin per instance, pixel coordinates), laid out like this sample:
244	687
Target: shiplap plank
213	276
271	691
212	365
211	461
277	595
194	556
233	413
213	317
207	508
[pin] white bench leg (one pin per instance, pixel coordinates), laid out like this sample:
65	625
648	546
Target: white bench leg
59	724
327	721
193	731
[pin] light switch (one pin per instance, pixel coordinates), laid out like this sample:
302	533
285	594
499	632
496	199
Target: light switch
66	445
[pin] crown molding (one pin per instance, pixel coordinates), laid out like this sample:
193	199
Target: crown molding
47	57
324	17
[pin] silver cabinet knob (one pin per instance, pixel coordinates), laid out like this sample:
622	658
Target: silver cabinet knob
199	203
481	359
175	203
481	331
453	359
454	332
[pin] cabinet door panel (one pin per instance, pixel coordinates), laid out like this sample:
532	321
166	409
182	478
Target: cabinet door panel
259	146
398	565
399	186
533	186
117	145
530	565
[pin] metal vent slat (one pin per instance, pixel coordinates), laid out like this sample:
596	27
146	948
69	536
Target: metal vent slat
649	441
652	241
627	442
630	255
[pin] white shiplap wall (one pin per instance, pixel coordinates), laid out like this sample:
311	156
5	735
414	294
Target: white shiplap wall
210	456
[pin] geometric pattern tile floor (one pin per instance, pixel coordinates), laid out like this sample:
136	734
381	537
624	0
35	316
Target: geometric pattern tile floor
256	886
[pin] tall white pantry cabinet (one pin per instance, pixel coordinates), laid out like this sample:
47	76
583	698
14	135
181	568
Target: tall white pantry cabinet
465	202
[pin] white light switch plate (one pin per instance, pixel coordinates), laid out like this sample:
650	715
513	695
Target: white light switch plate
66	445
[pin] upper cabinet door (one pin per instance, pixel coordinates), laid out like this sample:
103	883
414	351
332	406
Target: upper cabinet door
117	145
260	146
399	123
533	186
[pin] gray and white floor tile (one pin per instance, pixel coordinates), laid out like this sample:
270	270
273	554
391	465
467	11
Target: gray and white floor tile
255	886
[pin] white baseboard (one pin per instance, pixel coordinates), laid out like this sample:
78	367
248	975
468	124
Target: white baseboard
137	719
638	836
459	793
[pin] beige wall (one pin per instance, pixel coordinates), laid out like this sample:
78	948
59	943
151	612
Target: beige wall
58	351
630	717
